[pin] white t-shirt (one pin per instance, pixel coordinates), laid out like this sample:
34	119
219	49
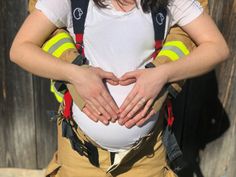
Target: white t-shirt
118	42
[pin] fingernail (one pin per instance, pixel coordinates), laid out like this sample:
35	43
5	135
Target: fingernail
140	124
128	126
105	122
113	120
121	122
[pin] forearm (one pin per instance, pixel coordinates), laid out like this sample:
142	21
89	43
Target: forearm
33	59
211	50
201	60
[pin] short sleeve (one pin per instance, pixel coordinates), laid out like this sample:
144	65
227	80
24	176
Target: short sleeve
57	11
183	12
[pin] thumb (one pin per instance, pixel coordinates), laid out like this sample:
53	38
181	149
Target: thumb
108	76
127	81
129	75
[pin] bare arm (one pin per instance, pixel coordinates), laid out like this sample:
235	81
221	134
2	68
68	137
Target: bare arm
212	49
26	52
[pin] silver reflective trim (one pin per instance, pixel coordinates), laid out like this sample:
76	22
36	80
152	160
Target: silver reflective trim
174	49
58	44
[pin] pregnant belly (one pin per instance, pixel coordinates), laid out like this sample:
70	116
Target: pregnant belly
113	137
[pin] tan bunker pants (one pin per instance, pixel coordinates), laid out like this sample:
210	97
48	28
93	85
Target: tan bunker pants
146	159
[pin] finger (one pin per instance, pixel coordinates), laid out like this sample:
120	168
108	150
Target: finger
108	75
128	81
110	101
128	99
137	117
127	119
130	123
93	107
97	116
143	120
112	82
89	114
106	103
140	104
147	107
102	110
100	116
130	105
128	75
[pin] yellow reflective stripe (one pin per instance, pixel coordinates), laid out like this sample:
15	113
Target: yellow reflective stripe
56	46
54	40
59	43
57	53
178	44
57	94
170	54
174	50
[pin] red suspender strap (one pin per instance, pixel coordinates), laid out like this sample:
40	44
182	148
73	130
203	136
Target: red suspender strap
158	46
79	43
170	116
67	105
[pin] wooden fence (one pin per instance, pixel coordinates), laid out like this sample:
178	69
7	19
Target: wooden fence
205	110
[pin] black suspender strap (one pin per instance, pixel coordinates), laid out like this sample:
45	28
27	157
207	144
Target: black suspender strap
159	24
79	12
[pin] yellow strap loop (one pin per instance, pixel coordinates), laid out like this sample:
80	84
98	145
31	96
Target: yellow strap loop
57	94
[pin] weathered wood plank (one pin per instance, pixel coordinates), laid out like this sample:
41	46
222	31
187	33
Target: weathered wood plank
17	132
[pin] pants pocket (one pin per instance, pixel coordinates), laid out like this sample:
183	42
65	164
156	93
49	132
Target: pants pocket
53	167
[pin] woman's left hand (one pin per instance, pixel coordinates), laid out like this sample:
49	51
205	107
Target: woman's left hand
136	106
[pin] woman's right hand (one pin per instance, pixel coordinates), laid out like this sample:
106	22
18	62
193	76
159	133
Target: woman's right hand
89	83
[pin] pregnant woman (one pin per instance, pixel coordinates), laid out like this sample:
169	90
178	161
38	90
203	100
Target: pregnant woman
118	42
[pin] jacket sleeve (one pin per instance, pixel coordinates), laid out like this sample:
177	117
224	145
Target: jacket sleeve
61	45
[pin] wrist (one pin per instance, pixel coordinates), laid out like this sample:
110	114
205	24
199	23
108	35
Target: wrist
70	72
165	72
